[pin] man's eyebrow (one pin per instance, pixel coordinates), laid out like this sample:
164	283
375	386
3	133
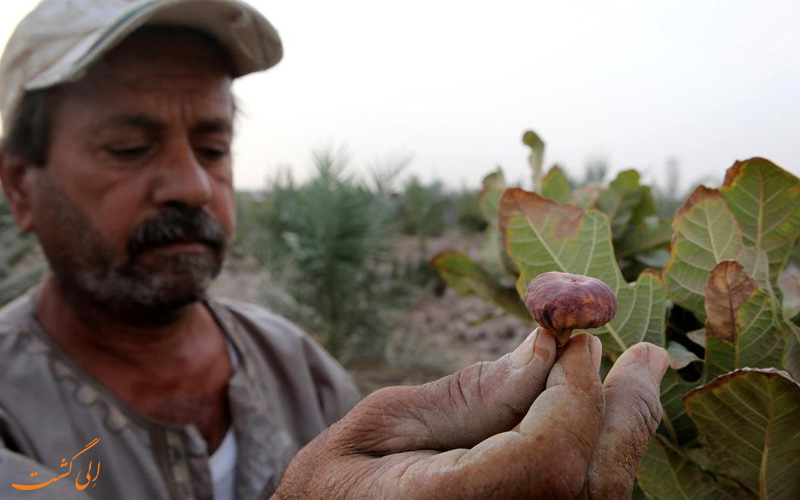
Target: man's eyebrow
204	126
133	121
213	125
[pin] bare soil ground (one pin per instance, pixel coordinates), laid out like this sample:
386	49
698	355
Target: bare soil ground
435	336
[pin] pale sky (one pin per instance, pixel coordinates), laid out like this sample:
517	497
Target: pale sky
455	83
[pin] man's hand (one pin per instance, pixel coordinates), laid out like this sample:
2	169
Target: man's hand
524	426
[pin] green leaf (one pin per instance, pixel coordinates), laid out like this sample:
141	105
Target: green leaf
641	313
765	200
680	356
646	209
489	198
536	158
667	473
792	359
698	337
541	235
675	422
493	255
466	277
706	233
620	200
740	329
556	186
748	422
790	290
789	284
644	238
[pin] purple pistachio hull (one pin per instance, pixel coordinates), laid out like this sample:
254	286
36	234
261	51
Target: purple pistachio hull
563	302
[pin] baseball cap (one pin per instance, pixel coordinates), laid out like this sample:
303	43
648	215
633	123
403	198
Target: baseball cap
60	39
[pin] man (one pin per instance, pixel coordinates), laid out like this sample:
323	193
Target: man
118	120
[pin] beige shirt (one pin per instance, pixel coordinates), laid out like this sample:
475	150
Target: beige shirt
285	390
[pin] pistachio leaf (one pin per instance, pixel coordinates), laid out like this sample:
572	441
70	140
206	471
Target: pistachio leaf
675	422
790	290
489	197
467	277
740	329
747	421
644	238
646	209
493	256
765	200
792	358
680	356
620	200
541	235
556	186
706	233
727	289
697	336
536	158
789	284
667	473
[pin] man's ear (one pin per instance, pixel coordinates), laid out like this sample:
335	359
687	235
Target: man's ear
16	176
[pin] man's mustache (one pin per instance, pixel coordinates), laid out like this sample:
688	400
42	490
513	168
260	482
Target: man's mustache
177	225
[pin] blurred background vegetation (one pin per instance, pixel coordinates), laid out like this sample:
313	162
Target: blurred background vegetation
343	256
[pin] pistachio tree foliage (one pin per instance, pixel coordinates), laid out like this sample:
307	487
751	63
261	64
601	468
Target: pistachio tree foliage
704	285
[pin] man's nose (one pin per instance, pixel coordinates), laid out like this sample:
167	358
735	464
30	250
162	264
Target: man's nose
181	177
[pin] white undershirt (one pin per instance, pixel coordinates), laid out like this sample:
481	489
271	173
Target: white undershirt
223	461
223	468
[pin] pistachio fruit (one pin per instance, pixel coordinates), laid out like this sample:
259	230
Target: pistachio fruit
563	302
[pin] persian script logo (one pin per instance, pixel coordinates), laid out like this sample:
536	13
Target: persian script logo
78	485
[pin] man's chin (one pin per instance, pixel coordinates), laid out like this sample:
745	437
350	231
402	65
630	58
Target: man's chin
176	287
158	301
152	291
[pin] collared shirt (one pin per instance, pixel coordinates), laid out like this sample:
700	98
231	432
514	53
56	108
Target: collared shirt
285	391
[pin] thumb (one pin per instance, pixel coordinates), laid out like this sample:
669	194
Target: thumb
457	411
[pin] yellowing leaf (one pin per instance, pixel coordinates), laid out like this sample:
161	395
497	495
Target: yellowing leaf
748	422
706	233
740	329
668	474
541	235
727	289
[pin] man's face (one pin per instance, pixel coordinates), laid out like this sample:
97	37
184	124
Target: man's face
135	206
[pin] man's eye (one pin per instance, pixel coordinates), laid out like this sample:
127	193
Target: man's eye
128	152
212	154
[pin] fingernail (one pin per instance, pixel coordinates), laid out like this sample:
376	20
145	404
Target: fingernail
595	349
523	354
658	359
